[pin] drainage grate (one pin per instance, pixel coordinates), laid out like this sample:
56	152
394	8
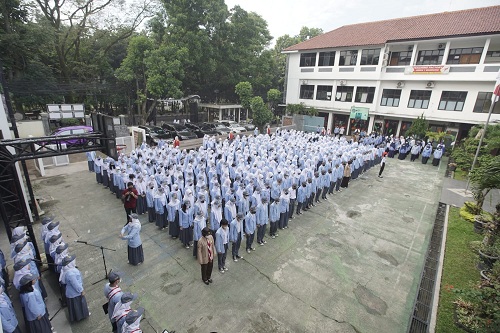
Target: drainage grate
422	309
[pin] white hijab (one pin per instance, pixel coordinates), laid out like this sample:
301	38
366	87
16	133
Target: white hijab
65	270
217	212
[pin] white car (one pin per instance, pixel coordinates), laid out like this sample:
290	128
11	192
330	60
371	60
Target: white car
236	128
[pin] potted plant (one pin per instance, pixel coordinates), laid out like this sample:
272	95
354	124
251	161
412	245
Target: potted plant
480	222
478	309
489	254
452	166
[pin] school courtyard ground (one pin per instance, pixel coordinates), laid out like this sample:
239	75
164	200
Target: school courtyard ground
351	264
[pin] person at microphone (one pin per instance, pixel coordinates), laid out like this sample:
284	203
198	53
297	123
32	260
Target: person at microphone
131	233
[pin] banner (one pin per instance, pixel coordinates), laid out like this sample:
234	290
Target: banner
444	69
359	113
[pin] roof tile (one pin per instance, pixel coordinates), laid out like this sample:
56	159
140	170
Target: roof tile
475	21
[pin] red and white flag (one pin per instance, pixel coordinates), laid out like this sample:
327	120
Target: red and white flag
496	92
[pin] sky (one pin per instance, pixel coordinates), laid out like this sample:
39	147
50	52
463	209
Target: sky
288	16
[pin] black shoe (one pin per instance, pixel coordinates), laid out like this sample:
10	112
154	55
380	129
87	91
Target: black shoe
210	280
206	282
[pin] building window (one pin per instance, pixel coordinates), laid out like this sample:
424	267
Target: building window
307	59
324	93
306	91
470	55
430	57
326	58
370	56
364	94
483	103
419	99
452	100
400	58
390	97
344	93
348	58
492	57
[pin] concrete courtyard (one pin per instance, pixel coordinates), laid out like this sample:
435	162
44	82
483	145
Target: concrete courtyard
351	264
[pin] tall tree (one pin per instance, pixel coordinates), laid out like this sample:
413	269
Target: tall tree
245	91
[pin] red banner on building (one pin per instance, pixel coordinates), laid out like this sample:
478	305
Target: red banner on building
443	69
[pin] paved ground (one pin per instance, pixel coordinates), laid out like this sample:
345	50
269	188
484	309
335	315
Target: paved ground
351	265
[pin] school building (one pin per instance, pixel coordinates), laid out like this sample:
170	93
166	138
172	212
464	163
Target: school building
388	73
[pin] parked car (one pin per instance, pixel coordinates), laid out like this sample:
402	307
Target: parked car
202	129
179	130
156	133
72	130
236	128
248	125
220	128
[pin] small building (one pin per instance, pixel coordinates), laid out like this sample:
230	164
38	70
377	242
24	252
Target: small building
379	76
225	112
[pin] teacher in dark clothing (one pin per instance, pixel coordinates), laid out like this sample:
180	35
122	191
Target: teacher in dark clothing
129	198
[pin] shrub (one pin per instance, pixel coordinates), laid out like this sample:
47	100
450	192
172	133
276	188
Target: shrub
472	207
466	215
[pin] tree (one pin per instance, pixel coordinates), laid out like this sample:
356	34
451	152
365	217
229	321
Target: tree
485	178
261	113
245	91
301	109
273	98
464	151
418	127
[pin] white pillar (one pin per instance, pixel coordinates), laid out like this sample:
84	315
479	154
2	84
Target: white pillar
330	122
370	124
348	126
220	113
399	128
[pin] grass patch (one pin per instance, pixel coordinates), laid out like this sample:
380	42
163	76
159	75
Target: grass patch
460	174
459	268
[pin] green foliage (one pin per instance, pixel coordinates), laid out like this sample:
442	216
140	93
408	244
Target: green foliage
418	127
472	207
478	309
467	215
485	178
273	97
70	122
459	268
301	109
261	113
245	91
464	151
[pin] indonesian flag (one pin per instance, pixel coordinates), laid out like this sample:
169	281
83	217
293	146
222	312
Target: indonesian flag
496	92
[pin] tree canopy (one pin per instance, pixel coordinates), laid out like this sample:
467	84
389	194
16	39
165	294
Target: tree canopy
100	53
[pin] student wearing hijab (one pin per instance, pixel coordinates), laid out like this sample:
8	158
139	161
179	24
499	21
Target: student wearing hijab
133	321
215	217
173	208
262	220
113	294
160	202
274	216
236	233
206	254
382	165
131	232
185	224
7	314
75	294
199	223
36	316
221	244
426	153
250	226
122	308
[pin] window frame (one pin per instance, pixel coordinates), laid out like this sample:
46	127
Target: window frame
429	62
370	54
370	94
302	91
330	55
459	52
485	103
347	92
353	55
452	100
307	56
391	97
325	92
399	61
419	96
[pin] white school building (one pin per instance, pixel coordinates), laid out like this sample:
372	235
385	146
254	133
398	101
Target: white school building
443	66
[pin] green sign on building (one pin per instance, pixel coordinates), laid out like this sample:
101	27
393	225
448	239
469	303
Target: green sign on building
359	113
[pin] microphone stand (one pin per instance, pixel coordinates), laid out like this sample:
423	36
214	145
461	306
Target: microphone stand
103	259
